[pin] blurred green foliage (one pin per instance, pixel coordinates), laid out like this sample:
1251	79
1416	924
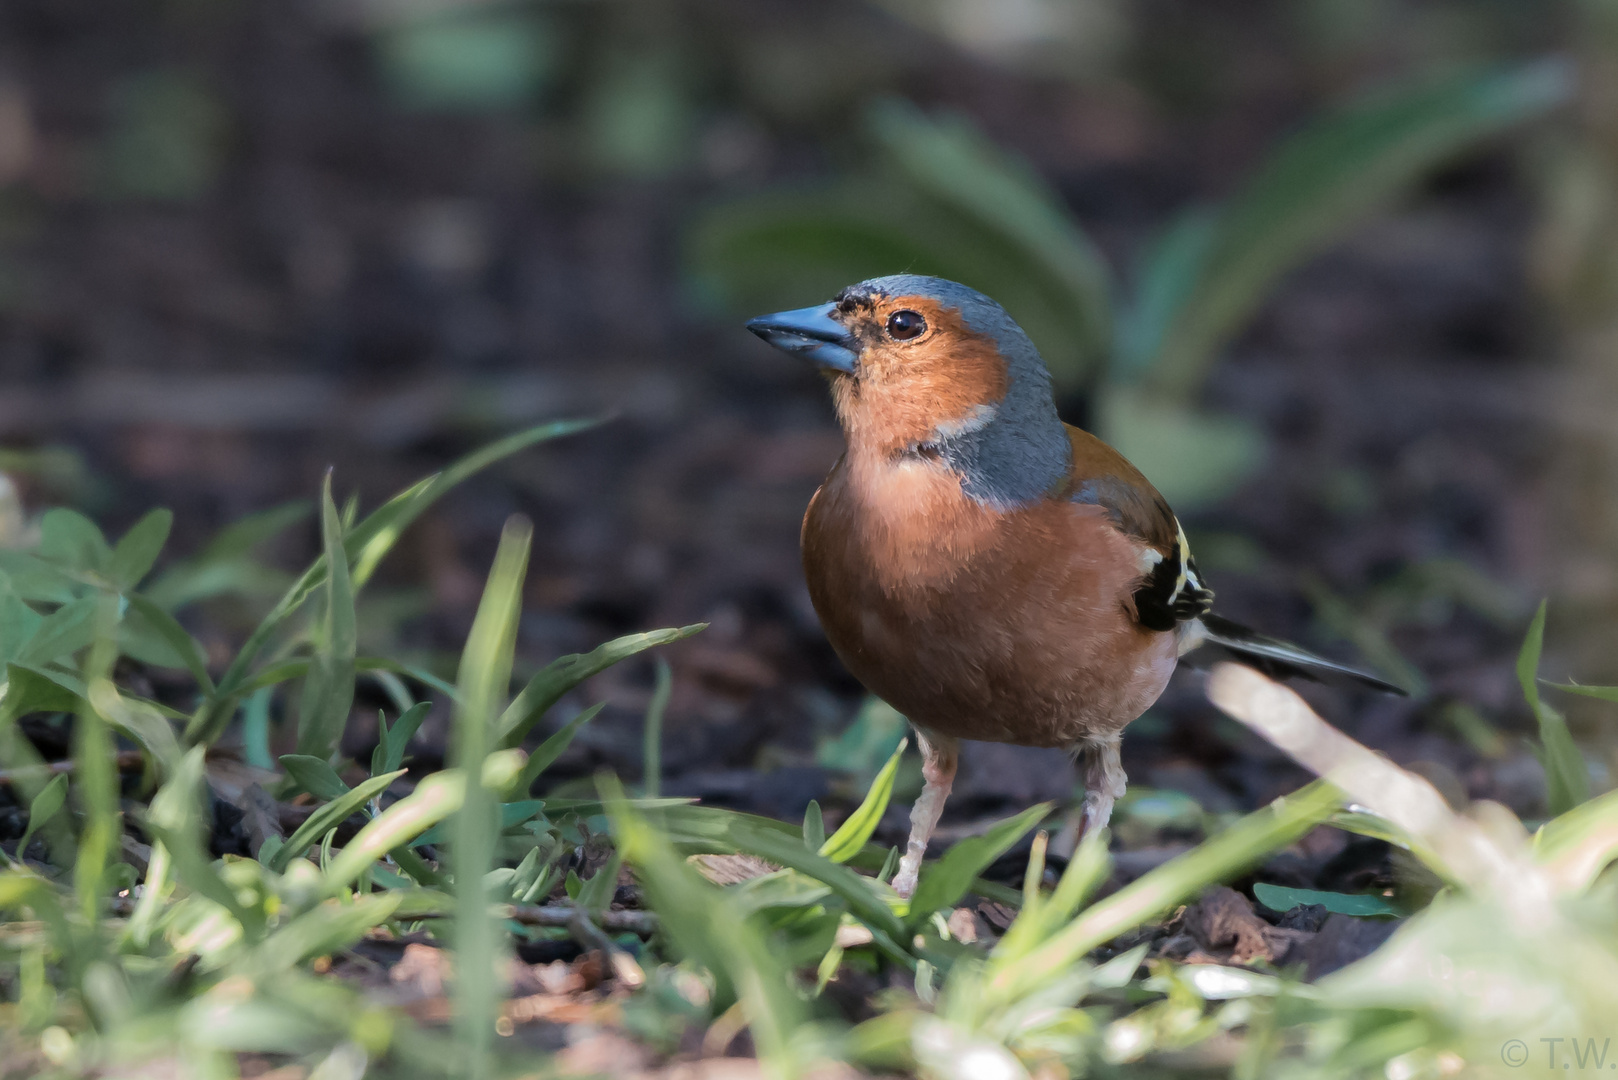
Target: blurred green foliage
935	197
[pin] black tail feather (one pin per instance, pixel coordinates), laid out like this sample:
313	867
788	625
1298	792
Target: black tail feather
1226	640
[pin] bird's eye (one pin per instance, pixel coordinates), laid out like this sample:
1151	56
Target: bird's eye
905	325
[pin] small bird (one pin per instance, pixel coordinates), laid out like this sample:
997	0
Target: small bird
989	571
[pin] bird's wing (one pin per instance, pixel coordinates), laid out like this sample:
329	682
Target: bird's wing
1171	592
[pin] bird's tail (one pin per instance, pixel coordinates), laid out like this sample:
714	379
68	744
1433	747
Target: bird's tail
1216	638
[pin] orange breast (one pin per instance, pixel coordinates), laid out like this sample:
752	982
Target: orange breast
1007	627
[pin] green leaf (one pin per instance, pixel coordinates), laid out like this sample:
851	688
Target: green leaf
564	673
856	830
596	894
314	775
866	743
512	814
184	646
1567	783
43	807
947	880
137	552
1317	186
814	827
390	750
137	721
328	689
328	817
324	929
35	579
551	749
62	633
69	539
1279	898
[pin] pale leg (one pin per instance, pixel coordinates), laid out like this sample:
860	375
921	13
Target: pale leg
939	754
1104	780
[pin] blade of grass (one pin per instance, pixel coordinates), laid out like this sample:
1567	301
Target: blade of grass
366	545
549	750
96	773
1567	783
485	676
136	553
328	817
852	835
328	689
652	738
564	673
1217	859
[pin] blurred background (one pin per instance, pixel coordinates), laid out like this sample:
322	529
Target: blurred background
1339	275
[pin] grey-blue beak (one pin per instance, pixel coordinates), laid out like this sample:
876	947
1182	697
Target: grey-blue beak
811	333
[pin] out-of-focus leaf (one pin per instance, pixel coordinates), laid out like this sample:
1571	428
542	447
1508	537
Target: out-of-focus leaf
814	827
702	923
314	775
183	645
36	579
166	138
175	820
63	632
1600	693
565	672
1282	899
1194	458
652	736
855	831
324	929
952	161
224	566
484	680
43	807
328	689
947	880
18	624
138	721
1320	183
1577	846
467	59
1567	784
597	893
68	538
329	817
868	742
137	552
512	814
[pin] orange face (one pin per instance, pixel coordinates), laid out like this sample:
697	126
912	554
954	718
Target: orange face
921	372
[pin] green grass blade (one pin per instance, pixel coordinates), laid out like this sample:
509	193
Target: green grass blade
1567	782
329	817
1176	881
947	880
404	729
96	775
435	798
855	831
652	736
564	673
548	751
366	544
328	689
485	676
699	918
314	775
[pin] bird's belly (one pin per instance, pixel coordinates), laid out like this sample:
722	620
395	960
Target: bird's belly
1014	631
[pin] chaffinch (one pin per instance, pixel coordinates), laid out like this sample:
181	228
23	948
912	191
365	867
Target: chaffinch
989	571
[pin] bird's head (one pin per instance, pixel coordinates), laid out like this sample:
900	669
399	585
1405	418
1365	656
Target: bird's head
928	366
